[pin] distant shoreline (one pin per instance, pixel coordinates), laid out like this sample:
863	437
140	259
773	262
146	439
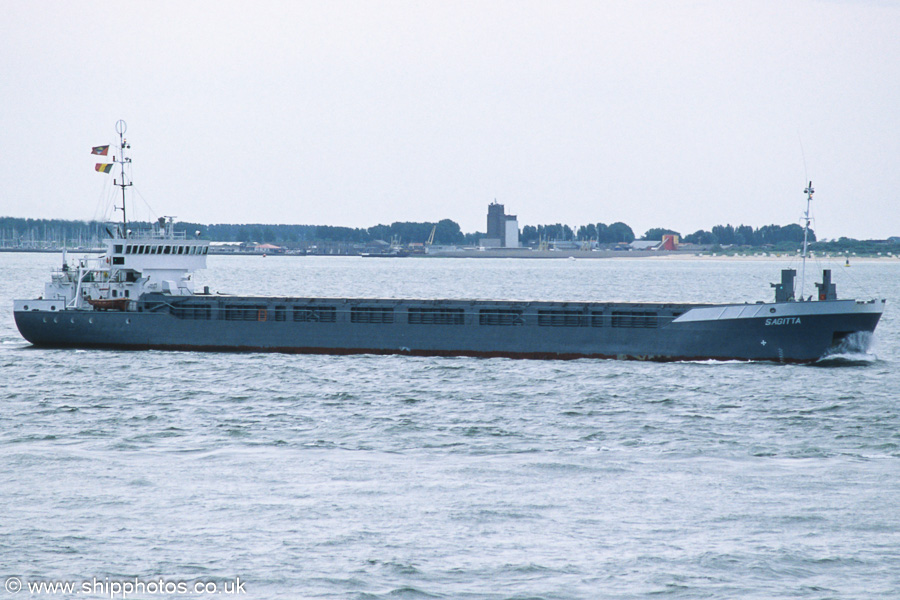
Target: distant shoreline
535	254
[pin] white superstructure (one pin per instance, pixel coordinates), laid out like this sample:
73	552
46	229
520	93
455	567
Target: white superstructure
159	260
156	260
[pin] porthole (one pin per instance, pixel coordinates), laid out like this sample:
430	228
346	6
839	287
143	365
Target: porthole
52	308
72	320
45	319
90	319
55	319
25	307
771	310
128	321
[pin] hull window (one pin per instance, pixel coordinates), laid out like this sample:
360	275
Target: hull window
372	314
202	312
500	317
637	320
561	318
435	316
315	314
242	312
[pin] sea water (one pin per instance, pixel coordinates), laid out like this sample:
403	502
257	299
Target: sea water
185	474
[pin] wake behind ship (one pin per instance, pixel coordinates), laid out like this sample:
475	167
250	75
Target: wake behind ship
140	295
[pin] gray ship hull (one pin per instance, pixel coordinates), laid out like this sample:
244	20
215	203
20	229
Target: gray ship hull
781	332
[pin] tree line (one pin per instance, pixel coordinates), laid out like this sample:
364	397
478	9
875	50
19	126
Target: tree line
744	235
722	235
18	231
445	232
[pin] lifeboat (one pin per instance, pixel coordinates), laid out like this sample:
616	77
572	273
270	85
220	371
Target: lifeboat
109	303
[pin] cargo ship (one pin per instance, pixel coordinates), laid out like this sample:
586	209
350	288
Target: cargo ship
139	295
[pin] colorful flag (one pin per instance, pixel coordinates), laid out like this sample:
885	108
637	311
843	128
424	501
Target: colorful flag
103	167
101	150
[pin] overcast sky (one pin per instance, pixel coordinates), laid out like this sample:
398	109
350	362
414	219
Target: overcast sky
658	113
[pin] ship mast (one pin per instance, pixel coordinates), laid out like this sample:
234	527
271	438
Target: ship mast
809	194
123	145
